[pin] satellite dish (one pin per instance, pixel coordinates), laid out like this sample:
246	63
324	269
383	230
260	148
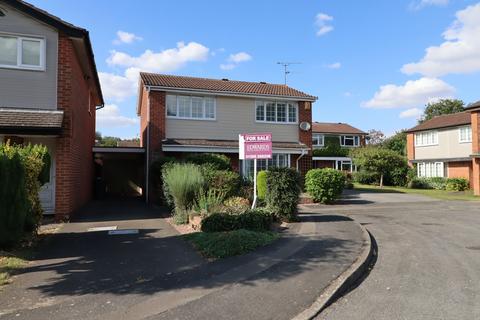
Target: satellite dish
305	126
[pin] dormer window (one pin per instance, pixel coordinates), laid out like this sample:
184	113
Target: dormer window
22	52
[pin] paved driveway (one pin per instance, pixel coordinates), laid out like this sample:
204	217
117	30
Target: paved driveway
428	263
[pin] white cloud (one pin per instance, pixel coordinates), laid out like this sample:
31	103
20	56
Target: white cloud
322	22
119	87
459	53
163	61
419	4
109	116
126	37
412	94
411	113
235	59
336	65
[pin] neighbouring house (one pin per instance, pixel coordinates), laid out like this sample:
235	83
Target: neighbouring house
331	144
182	115
445	146
49	90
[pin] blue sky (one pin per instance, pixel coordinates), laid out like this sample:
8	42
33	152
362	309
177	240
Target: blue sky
365	60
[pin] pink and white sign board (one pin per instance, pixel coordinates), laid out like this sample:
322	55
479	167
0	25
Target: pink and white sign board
255	146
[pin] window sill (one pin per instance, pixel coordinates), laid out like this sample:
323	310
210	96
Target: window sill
426	145
194	119
274	122
41	69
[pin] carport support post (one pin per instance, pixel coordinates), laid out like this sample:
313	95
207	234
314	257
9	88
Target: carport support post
254	204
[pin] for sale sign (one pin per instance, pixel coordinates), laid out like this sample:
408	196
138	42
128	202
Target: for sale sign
255	146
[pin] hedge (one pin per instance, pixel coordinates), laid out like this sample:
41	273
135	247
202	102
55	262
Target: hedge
218	161
262	185
324	185
283	191
255	220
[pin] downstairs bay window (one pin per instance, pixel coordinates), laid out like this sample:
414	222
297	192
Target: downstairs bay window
430	169
278	160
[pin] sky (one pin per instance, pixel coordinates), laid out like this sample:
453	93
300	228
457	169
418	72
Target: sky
372	64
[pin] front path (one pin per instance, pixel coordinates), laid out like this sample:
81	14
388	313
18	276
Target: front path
156	275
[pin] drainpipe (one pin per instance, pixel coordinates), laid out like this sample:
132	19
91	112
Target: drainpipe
147	174
304	152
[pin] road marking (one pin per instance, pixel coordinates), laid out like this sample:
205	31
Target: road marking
102	228
125	231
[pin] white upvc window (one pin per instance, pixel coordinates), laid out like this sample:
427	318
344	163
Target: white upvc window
426	138
318	139
279	160
465	134
349	141
190	107
430	169
21	52
276	111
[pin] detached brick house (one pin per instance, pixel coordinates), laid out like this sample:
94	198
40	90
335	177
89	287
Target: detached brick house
342	134
49	90
182	115
448	146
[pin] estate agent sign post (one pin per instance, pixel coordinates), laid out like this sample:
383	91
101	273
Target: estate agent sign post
255	146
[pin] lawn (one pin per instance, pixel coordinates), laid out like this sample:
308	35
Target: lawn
437	194
229	243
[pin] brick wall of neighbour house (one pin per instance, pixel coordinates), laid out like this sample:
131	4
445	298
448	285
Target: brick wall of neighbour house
410	147
475	180
304	114
74	163
143	117
461	169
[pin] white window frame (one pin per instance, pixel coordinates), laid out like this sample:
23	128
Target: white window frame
425	137
356	141
431	169
246	163
469	136
287	113
318	136
19	65
204	118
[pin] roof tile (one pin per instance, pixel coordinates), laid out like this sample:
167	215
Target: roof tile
328	127
443	121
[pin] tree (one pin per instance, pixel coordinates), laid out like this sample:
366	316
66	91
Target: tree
397	142
106	141
377	160
443	106
375	137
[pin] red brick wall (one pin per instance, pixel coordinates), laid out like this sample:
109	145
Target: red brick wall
475	181
410	147
74	162
461	169
304	114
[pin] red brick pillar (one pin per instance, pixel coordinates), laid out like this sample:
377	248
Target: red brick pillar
410	148
475	121
305	115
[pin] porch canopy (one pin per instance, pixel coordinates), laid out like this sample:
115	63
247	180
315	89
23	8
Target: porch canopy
30	121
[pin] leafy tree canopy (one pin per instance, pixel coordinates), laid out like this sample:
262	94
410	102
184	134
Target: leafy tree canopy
397	142
443	106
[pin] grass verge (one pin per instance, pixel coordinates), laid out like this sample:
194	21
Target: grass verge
230	243
437	194
9	265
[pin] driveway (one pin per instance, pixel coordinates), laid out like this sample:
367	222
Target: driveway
83	274
428	259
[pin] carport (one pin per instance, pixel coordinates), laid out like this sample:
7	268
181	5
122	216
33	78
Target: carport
119	172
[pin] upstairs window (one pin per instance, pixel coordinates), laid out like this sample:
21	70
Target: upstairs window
426	138
317	139
22	52
349	141
465	134
276	111
190	107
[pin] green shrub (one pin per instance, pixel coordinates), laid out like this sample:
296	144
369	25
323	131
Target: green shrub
419	183
13	198
283	191
236	205
348	180
261	185
331	148
411	174
397	176
184	182
256	220
365	177
246	189
437	183
457	184
208	202
156	172
324	185
225	182
227	244
218	161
